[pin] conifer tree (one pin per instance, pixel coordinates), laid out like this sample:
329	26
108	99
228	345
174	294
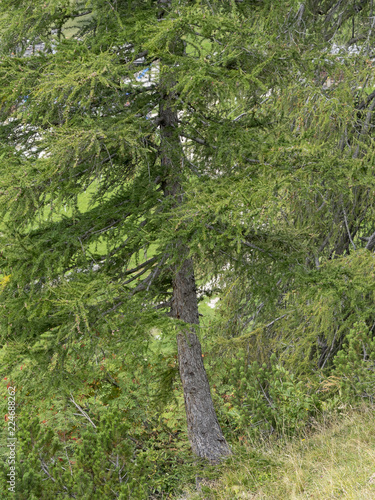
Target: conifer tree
150	145
81	121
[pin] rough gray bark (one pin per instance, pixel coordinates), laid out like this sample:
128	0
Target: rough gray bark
205	435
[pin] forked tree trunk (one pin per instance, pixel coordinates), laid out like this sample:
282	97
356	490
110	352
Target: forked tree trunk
205	435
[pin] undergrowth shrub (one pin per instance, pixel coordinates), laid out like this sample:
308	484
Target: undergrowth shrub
265	399
118	458
262	399
355	365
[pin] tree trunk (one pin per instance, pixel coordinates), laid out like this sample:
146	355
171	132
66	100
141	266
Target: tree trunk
205	435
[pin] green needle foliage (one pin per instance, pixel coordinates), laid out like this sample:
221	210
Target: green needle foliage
273	200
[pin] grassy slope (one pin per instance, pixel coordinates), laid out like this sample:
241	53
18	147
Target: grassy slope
337	461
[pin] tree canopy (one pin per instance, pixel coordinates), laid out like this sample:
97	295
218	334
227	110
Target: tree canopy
154	154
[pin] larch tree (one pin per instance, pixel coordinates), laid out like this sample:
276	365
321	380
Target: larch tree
123	105
149	145
323	156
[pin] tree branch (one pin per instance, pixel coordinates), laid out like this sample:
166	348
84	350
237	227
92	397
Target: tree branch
243	242
371	242
82	412
347	229
197	140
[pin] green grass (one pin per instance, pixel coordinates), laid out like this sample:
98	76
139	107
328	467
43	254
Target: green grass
336	461
72	26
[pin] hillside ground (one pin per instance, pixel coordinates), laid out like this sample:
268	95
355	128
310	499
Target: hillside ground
335	459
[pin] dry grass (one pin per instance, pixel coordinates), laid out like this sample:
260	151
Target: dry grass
337	461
